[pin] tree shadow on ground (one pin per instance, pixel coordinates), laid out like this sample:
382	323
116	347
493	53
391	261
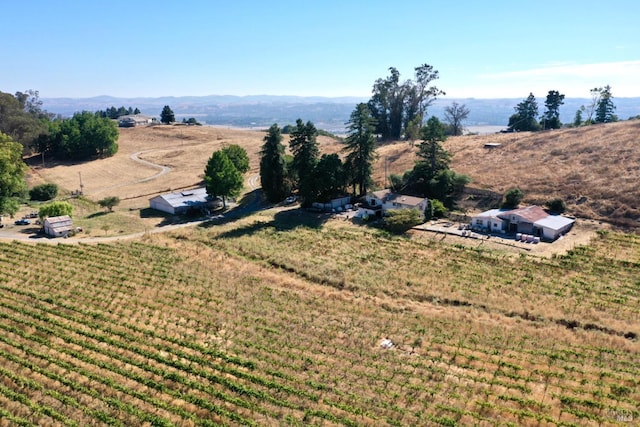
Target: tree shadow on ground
285	220
97	214
168	219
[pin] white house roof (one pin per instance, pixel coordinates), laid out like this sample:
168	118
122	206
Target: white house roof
59	220
59	223
491	213
389	196
185	198
554	222
136	117
381	194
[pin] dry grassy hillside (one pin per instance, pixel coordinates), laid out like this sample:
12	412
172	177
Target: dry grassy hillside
594	169
183	149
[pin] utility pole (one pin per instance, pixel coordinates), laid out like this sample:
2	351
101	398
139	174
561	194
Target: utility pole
385	171
81	186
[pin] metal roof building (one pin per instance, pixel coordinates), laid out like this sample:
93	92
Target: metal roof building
553	226
181	202
58	226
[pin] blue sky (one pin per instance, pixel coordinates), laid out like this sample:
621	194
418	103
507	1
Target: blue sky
482	49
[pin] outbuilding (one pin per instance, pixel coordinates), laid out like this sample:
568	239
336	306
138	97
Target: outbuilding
554	226
58	226
181	202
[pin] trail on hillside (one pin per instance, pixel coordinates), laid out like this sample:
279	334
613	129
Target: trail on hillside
136	158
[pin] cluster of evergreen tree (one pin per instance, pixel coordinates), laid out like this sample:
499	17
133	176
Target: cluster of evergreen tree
396	110
600	110
431	176
113	112
315	177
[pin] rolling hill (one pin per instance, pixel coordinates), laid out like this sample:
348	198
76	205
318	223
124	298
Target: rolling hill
595	169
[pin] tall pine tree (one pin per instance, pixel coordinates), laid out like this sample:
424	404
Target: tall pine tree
272	166
304	146
360	146
605	108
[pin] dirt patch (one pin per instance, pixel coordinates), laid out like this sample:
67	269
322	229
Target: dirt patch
581	234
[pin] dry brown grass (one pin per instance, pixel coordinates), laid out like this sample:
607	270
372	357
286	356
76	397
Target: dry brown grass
184	149
594	169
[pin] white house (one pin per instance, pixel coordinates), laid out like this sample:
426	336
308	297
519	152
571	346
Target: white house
181	202
490	221
132	120
381	202
531	220
58	226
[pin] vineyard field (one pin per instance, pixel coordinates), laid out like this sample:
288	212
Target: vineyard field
265	321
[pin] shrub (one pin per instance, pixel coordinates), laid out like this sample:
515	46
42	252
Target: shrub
43	192
400	220
55	209
512	198
438	209
556	205
109	202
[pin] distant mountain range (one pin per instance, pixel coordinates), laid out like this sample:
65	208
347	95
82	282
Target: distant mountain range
261	111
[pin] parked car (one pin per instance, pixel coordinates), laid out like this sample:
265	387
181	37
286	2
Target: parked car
290	199
22	222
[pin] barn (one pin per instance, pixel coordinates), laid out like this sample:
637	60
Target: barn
58	226
181	202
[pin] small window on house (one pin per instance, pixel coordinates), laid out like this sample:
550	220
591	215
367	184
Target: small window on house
478	221
373	202
495	225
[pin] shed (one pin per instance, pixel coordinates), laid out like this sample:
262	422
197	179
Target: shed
58	226
181	202
554	226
